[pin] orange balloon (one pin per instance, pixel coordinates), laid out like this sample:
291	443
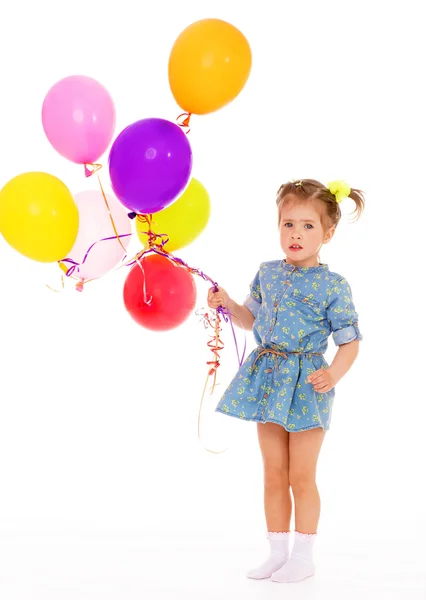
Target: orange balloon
209	65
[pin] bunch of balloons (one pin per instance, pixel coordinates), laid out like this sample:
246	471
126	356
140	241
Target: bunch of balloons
150	170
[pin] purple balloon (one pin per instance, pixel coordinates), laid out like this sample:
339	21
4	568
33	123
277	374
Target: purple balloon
150	164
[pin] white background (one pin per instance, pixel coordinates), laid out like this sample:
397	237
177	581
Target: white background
105	490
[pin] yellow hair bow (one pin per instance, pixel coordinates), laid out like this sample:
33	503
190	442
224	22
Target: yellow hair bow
340	189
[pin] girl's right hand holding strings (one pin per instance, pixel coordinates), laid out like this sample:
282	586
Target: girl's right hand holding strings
241	315
218	298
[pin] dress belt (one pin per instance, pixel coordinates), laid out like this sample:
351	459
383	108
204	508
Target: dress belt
277	353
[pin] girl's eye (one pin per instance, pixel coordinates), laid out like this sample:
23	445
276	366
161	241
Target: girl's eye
309	226
288	224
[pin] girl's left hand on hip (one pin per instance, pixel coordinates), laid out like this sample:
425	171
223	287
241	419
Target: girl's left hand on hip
322	381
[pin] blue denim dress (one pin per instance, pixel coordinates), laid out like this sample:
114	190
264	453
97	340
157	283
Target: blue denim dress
296	309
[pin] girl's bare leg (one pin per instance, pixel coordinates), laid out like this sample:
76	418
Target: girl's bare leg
274	445
304	449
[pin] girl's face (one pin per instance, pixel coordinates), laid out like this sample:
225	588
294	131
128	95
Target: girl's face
302	233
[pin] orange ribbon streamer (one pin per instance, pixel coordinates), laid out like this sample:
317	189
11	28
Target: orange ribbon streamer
216	345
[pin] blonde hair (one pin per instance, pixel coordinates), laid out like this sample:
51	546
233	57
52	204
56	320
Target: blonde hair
310	189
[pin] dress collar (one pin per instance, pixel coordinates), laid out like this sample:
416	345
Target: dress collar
319	269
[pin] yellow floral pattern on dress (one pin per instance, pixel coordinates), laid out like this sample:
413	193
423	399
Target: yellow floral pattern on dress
296	310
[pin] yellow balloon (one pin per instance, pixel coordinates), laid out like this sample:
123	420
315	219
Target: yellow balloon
209	65
38	216
182	221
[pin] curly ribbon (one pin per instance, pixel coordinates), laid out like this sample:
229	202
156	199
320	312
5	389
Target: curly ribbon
156	243
75	265
216	346
152	237
183	121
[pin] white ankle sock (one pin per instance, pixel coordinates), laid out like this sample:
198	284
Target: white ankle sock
279	553
300	565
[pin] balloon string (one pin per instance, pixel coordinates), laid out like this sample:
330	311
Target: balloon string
156	243
199	420
152	237
75	265
226	312
95	170
57	291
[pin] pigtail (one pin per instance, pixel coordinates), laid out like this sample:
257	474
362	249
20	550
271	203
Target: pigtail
358	197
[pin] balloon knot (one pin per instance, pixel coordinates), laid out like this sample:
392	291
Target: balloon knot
183	121
91	168
132	215
79	286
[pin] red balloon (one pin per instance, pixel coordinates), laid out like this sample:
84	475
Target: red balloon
170	289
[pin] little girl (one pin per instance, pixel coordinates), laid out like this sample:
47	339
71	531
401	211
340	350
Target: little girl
285	384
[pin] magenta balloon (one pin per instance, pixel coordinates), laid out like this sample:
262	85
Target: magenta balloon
78	117
150	164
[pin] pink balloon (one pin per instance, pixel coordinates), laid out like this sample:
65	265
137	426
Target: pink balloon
78	117
95	225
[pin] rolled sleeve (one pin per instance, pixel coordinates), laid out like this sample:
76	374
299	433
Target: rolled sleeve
254	299
346	335
341	314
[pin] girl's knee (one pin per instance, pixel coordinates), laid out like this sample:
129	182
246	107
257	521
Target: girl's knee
302	482
276	476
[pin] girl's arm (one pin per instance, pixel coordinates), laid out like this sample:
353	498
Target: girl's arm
241	315
343	361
